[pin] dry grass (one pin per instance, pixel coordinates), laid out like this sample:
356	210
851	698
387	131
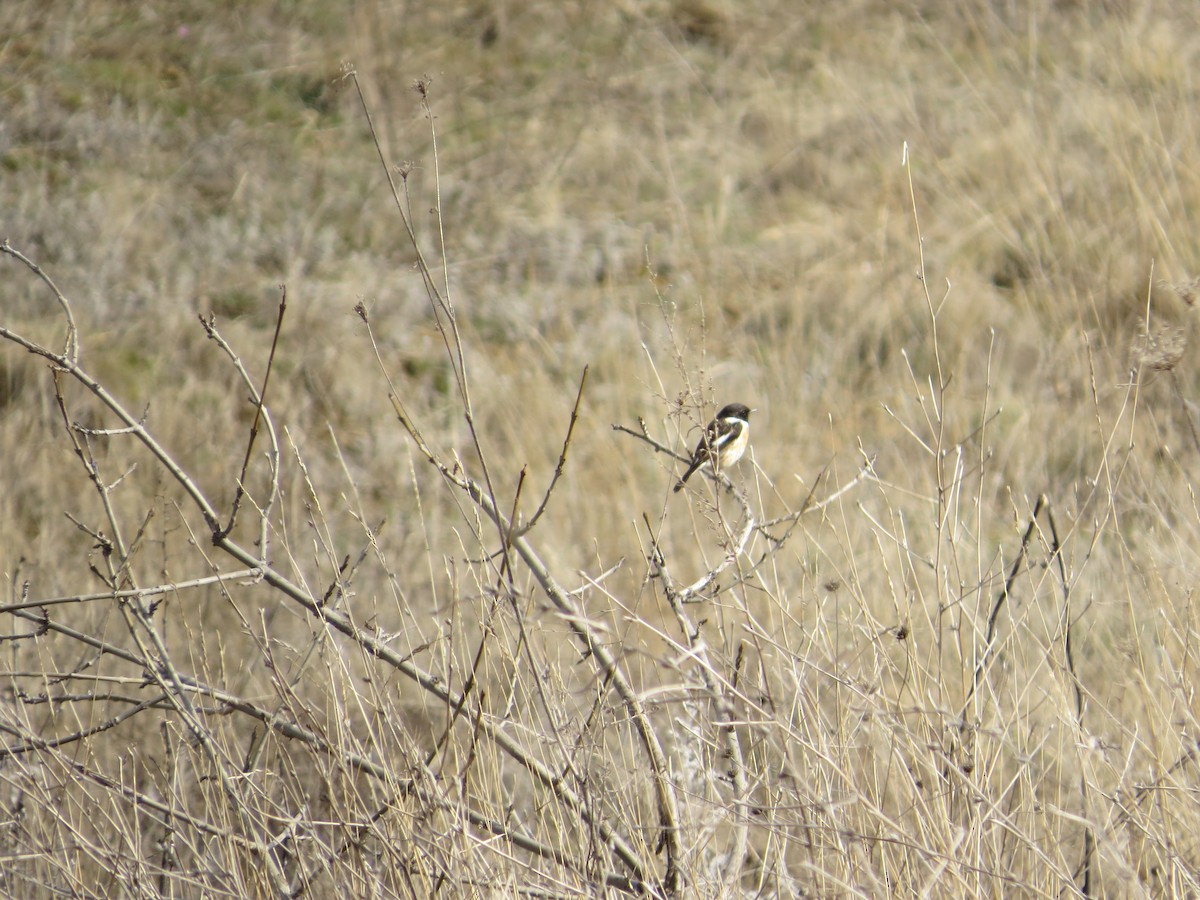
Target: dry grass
951	239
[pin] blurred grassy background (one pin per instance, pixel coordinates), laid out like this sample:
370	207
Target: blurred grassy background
746	159
701	200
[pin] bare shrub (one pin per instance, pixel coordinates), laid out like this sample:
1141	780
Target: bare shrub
242	675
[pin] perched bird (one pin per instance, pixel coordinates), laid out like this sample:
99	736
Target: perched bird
724	441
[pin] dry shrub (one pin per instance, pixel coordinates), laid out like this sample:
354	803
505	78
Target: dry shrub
934	636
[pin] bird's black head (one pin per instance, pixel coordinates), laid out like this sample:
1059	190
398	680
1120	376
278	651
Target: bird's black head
735	411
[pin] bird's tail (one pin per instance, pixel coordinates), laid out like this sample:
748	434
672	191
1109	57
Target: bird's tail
686	475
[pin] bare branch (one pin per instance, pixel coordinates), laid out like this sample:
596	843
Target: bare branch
71	344
562	457
210	328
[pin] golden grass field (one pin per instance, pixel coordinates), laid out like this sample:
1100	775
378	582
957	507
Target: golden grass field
936	635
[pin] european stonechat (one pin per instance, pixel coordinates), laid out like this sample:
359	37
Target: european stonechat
724	441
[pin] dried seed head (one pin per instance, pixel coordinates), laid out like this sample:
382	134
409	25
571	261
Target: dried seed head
1159	349
1188	291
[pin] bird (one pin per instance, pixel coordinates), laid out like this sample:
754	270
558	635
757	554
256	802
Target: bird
724	441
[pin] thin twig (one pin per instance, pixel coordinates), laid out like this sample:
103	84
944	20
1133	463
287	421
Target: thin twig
260	396
71	344
994	615
562	457
1089	838
136	593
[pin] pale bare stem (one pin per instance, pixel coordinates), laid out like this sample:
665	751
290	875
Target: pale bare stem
938	399
169	812
666	308
507	588
377	646
71	344
642	433
242	575
332	597
324	554
289	729
440	302
435	685
161	701
584	631
261	414
346	576
1001	598
442	308
134	426
1089	837
866	472
150	661
694	650
597	650
171	681
693	593
785	730
715	688
47	624
410	426
429	453
422	89
152	647
455	713
911	432
402	414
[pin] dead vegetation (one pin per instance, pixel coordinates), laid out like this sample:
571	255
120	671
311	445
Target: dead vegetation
340	407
